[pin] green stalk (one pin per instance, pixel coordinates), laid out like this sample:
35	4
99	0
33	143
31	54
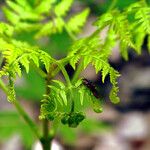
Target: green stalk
77	73
113	4
3	87
22	113
45	141
27	119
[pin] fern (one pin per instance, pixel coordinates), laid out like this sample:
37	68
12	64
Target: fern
11	92
118	28
19	53
141	25
89	51
77	21
63	7
6	30
23	16
50	17
59	99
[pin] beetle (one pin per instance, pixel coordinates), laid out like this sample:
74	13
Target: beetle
91	87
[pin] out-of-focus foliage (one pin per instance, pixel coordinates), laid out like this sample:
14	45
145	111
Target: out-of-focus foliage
12	124
87	126
46	17
32	87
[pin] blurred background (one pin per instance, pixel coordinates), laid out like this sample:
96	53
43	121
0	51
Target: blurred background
125	126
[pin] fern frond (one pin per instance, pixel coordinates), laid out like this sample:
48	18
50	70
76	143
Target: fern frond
122	29
63	7
44	7
143	19
11	90
115	89
19	53
118	29
77	21
25	17
104	20
89	50
48	107
6	30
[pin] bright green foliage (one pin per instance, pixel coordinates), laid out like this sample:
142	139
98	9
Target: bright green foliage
119	29
130	33
48	17
59	99
10	124
77	21
89	50
17	53
141	25
26	17
63	7
11	91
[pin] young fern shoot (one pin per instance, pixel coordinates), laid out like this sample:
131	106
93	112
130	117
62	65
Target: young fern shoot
48	17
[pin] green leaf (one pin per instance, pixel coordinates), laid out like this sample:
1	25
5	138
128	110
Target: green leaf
25	62
143	19
78	83
45	30
6	30
63	96
11	90
11	16
86	61
124	50
35	59
98	65
44	7
78	21
96	105
74	61
114	91
17	68
14	6
104	20
105	71
63	7
81	93
59	24
139	39
61	85
46	59
55	89
48	107
23	3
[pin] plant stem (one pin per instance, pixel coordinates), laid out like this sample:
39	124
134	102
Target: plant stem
66	76
46	142
3	87
114	2
27	119
22	113
77	73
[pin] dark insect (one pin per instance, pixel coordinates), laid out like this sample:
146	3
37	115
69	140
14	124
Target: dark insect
91	87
